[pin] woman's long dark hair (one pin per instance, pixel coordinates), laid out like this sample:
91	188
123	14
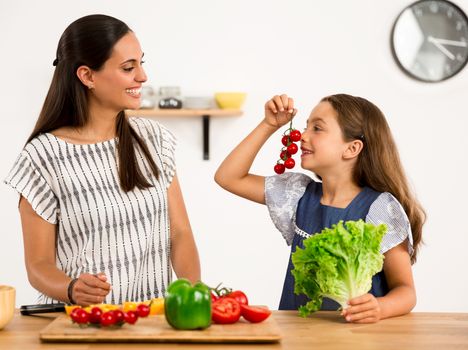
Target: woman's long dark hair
378	165
89	41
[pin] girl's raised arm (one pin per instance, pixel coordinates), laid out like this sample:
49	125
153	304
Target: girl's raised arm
233	173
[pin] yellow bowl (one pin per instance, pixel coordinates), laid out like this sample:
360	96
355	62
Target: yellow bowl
230	99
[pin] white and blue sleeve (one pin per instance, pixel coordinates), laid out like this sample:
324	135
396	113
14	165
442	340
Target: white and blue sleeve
282	194
387	210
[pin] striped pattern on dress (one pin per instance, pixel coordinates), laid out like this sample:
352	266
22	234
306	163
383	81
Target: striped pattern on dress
101	228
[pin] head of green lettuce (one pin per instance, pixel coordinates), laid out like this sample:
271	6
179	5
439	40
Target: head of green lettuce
338	263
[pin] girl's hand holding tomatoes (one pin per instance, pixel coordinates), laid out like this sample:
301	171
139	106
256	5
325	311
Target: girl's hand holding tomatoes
279	111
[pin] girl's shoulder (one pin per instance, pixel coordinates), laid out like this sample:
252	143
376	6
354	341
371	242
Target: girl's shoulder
386	209
288	182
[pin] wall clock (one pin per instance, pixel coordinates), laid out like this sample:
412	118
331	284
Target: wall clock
430	40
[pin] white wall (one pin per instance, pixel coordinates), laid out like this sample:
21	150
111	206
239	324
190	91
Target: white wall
307	49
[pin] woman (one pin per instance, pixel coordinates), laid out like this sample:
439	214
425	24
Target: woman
102	212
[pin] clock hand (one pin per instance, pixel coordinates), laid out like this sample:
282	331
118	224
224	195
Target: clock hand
441	47
448	42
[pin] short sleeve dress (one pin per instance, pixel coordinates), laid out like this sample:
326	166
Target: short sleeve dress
100	227
293	201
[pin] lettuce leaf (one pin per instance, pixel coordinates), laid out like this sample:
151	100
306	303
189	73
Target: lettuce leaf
338	263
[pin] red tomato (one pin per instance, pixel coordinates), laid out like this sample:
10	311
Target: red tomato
119	316
225	311
143	310
284	155
279	168
239	296
295	135
289	163
255	314
285	140
79	316
130	317
292	149
108	319
95	315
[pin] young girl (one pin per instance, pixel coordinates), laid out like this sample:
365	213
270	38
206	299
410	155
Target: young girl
100	201
348	144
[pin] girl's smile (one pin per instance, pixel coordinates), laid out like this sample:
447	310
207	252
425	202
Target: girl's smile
305	152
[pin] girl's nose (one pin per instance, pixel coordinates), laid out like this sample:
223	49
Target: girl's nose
304	136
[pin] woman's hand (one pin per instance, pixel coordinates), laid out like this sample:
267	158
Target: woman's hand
90	289
279	111
363	309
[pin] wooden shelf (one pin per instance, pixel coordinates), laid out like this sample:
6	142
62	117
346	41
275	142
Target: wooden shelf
205	114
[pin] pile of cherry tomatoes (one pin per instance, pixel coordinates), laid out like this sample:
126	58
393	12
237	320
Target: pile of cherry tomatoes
228	306
105	315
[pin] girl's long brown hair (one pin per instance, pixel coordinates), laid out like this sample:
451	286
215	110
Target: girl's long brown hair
378	165
89	41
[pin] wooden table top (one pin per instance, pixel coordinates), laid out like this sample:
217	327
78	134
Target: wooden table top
323	330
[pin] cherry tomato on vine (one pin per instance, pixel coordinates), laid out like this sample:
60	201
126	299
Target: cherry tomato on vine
285	140
225	311
108	319
292	149
239	296
255	314
143	310
295	135
79	316
289	163
279	168
284	155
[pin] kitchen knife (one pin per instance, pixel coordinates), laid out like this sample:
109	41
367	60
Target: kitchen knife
41	308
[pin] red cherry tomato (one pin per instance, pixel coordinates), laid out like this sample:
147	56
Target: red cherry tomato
95	315
143	310
284	155
295	135
119	316
108	319
79	316
289	163
255	314
279	168
239	296
225	311
292	149
130	317
285	140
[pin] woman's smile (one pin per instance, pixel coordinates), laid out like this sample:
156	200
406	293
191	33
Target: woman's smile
134	92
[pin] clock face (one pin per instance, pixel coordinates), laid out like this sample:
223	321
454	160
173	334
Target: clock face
430	40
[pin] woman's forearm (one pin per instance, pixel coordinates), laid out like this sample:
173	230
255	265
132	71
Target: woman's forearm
185	260
49	280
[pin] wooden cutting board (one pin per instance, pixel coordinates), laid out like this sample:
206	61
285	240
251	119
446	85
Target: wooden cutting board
156	329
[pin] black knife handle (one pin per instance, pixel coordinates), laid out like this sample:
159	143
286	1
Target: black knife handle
41	308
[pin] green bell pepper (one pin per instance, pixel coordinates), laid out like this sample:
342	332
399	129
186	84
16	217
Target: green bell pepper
187	306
